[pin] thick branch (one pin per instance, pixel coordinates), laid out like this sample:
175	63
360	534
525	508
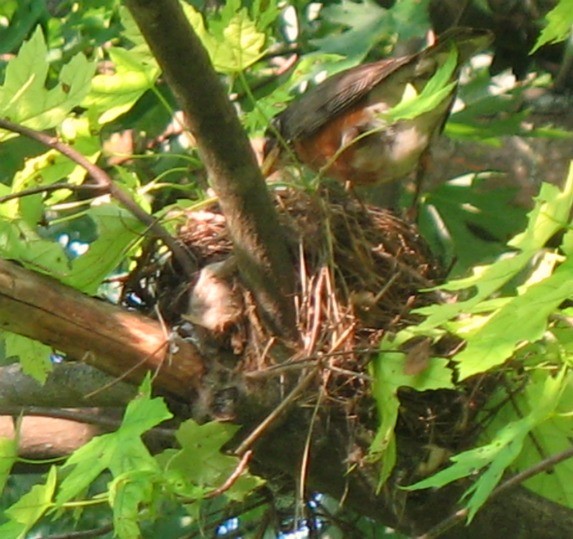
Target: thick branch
47	437
121	343
260	249
518	514
69	385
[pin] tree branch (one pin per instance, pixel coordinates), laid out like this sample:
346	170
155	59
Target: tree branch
511	482
120	341
261	252
41	438
123	344
107	185
69	385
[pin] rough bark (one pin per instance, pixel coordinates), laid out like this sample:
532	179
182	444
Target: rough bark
127	345
261	252
517	514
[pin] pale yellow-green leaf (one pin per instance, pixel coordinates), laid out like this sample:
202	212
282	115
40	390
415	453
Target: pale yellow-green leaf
113	94
522	319
33	355
24	514
505	445
389	376
238	46
550	214
8	456
118	232
24	96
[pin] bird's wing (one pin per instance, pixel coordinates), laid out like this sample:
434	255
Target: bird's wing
341	92
332	97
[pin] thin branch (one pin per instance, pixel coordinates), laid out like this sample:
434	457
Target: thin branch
84	534
103	335
538	468
513	481
104	182
80	416
276	413
47	189
232	479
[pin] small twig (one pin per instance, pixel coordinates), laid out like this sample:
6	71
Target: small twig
126	373
318	311
445	525
307	361
538	468
346	372
306	452
104	182
513	481
231	480
84	534
47	189
280	409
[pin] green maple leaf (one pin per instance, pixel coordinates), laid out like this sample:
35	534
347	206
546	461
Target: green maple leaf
24	97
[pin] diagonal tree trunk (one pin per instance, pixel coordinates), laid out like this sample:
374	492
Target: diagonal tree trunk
261	252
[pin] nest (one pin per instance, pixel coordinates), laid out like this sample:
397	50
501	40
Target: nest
359	271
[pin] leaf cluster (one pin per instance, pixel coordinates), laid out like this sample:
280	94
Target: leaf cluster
140	485
512	315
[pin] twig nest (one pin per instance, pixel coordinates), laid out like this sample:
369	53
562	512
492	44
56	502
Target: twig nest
359	270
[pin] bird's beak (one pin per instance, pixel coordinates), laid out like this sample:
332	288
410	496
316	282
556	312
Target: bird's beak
271	154
468	41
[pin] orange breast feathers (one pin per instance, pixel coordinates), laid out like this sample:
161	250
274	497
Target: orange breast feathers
338	128
361	148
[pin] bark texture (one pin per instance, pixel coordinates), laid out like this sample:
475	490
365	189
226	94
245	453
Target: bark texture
261	252
123	344
120	342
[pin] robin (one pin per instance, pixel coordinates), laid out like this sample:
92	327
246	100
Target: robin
339	127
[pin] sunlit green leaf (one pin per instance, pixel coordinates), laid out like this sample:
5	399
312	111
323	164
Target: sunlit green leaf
128	493
24	97
550	214
203	444
496	456
433	95
8	457
33	355
19	242
546	219
113	94
389	376
522	319
233	43
120	452
117	230
559	22
29	508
